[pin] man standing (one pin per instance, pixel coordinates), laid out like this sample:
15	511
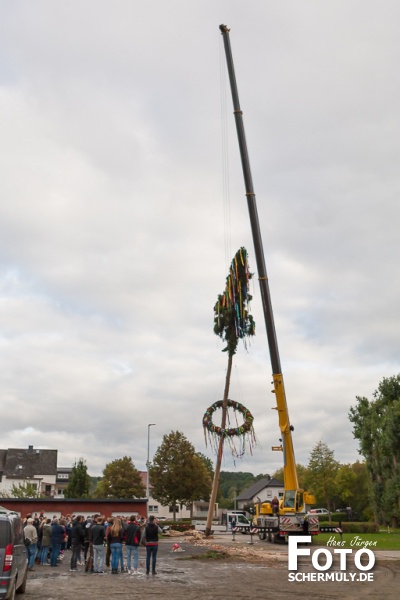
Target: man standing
151	535
133	535
77	539
31	537
98	533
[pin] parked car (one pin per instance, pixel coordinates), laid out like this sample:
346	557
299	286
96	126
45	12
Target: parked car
350	514
13	556
164	528
318	511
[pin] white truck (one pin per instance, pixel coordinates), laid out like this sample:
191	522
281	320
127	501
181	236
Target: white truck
241	522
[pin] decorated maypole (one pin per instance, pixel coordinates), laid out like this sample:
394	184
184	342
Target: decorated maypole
232	322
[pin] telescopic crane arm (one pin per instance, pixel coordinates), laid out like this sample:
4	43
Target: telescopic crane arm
289	464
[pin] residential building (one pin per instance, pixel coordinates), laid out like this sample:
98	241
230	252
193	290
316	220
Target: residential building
62	481
154	507
35	466
263	490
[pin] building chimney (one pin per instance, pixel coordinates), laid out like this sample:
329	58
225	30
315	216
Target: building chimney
30	449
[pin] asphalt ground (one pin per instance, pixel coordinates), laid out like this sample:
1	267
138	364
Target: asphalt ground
255	570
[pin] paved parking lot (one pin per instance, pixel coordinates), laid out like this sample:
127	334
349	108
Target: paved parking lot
260	571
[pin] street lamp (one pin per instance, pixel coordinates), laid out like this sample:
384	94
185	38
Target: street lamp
148	458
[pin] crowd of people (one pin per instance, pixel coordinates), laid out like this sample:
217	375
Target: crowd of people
95	542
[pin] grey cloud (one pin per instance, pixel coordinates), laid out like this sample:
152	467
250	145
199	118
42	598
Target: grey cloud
112	228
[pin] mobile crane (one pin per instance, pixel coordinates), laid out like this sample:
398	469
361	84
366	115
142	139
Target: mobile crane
291	518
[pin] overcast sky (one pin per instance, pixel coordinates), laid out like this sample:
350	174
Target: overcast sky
112	230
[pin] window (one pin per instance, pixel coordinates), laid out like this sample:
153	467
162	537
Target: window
153	508
288	501
60	492
63	476
171	509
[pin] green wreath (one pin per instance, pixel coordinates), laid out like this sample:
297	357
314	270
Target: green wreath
231	431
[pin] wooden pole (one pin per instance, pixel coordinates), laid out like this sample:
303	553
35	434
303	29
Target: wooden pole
217	471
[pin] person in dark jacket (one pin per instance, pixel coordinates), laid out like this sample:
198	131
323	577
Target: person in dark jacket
151	535
46	541
98	533
275	505
68	527
86	528
57	538
77	539
133	536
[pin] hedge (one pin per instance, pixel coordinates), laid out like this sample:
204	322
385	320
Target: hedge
351	527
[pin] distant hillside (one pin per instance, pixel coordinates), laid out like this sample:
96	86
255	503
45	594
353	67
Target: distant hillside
93	483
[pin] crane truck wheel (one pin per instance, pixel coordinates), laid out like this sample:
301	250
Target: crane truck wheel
274	538
262	535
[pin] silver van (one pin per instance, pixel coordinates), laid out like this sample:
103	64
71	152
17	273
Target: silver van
13	556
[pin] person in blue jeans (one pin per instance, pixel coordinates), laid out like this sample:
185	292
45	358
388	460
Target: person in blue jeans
31	537
98	537
32	548
133	535
151	535
58	533
115	536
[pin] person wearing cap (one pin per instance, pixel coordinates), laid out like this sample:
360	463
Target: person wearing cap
31	536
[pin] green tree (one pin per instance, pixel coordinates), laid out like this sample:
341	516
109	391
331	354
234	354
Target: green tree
207	462
321	474
376	426
178	475
361	502
353	489
79	482
301	475
345	486
120	479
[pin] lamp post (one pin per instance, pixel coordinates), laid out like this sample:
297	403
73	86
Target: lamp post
148	458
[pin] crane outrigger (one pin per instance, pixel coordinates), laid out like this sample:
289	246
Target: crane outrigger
291	517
